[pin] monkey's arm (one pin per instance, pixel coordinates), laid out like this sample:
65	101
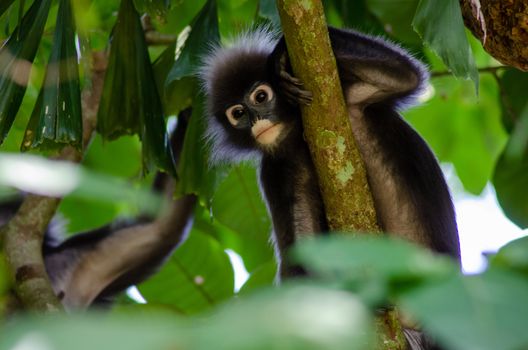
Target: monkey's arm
372	70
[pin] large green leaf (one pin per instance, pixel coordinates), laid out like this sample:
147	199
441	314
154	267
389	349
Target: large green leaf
267	10
238	205
203	32
441	26
375	268
303	318
178	95
485	312
513	256
262	276
197	276
513	96
4	5
196	175
56	120
511	174
130	103
396	17
460	130
16	57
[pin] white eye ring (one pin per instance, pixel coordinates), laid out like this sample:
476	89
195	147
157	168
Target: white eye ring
235	113
263	88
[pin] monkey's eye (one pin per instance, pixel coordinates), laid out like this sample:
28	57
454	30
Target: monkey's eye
234	113
261	94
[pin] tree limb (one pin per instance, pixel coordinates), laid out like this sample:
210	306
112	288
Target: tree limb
342	176
341	173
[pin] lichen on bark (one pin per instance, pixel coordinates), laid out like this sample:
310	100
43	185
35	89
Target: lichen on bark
341	173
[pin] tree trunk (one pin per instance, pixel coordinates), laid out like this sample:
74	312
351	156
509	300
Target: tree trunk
342	176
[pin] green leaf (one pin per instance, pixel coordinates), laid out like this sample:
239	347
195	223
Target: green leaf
513	256
262	276
441	26
396	17
461	131
130	103
375	268
203	32
238	205
511	174
16	57
195	174
292	317
82	214
513	96
267	10
4	5
304	318
352	14
485	312
56	120
102	155
178	95
198	276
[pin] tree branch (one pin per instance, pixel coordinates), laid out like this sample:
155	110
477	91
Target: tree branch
341	172
492	70
342	176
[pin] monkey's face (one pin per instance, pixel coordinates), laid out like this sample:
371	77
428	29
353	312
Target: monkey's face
258	116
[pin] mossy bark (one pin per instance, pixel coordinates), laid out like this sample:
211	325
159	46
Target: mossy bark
341	173
342	176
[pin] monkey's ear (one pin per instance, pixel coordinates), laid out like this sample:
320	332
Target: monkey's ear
274	63
282	79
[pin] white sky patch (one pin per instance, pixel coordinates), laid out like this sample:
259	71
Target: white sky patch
483	228
241	274
134	293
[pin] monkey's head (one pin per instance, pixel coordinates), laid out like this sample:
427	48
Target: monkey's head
245	112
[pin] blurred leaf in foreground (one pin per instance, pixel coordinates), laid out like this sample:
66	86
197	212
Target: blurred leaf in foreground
485	312
375	268
57	179
304	318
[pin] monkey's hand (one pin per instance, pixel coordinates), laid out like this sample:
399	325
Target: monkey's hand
290	86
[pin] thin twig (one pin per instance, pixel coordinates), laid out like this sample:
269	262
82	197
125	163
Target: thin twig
492	70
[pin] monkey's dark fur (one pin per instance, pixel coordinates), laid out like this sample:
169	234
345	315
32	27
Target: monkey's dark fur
378	78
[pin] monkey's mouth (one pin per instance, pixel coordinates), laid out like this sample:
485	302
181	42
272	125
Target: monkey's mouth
265	132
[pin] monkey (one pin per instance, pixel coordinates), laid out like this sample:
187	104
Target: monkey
253	113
